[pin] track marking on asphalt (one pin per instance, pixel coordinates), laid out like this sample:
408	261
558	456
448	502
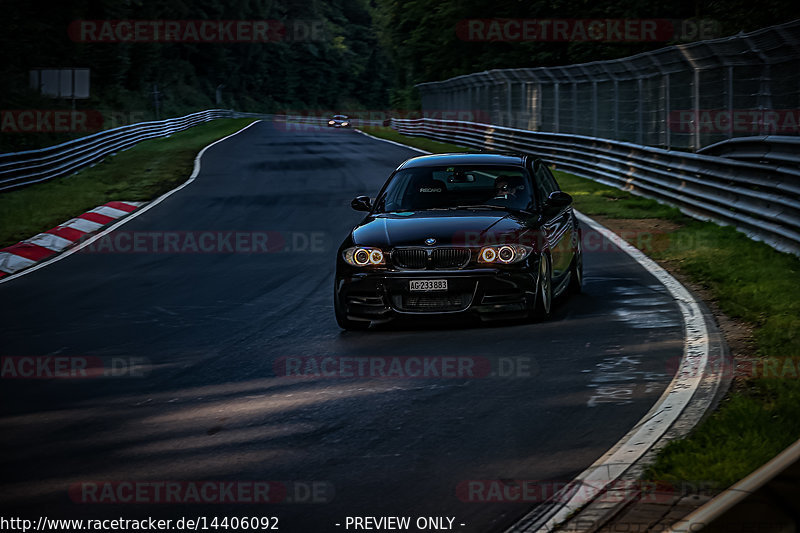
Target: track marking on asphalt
420	150
664	412
130	217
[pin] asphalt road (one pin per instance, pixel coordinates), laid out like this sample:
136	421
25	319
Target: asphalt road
211	328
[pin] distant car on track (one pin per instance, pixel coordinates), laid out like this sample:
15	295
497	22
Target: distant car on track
483	234
339	121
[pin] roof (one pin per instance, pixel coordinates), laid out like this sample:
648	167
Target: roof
465	158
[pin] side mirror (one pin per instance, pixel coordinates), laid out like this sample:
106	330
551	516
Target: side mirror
361	203
558	200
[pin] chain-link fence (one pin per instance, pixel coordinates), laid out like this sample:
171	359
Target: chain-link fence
684	96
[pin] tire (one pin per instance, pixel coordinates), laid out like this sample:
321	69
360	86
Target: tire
543	308
576	271
341	317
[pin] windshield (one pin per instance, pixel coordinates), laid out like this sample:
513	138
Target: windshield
453	187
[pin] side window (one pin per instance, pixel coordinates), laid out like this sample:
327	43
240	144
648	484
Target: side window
545	183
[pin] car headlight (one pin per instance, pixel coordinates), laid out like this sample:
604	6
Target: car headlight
364	256
331	123
345	123
504	254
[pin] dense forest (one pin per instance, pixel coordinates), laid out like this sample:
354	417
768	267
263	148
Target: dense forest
361	54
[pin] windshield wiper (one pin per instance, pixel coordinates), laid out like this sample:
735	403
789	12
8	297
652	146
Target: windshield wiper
479	206
490	206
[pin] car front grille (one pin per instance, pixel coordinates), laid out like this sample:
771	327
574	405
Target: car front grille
449	257
416	258
430	258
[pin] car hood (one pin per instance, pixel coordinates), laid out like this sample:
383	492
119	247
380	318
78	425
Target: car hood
446	227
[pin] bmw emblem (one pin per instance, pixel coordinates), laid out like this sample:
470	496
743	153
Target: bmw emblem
430	241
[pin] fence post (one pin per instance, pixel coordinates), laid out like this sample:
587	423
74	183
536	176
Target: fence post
616	109
696	107
667	125
640	111
524	109
594	108
730	100
574	106
556	107
765	96
508	104
538	106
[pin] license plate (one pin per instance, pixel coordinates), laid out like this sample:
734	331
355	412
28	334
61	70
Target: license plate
428	285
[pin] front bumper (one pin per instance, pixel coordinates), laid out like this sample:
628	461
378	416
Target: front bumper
482	292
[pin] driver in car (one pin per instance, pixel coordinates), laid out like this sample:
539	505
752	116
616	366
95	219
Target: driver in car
507	187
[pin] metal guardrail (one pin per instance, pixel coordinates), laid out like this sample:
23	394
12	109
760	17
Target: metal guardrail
761	200
777	150
19	169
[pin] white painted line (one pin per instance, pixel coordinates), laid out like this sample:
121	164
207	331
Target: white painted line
669	406
10	263
420	150
50	241
109	211
81	224
127	219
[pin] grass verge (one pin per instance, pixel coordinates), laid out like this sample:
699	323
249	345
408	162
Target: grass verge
140	173
417	142
746	280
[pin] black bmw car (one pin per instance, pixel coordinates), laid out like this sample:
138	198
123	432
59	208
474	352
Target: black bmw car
482	234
